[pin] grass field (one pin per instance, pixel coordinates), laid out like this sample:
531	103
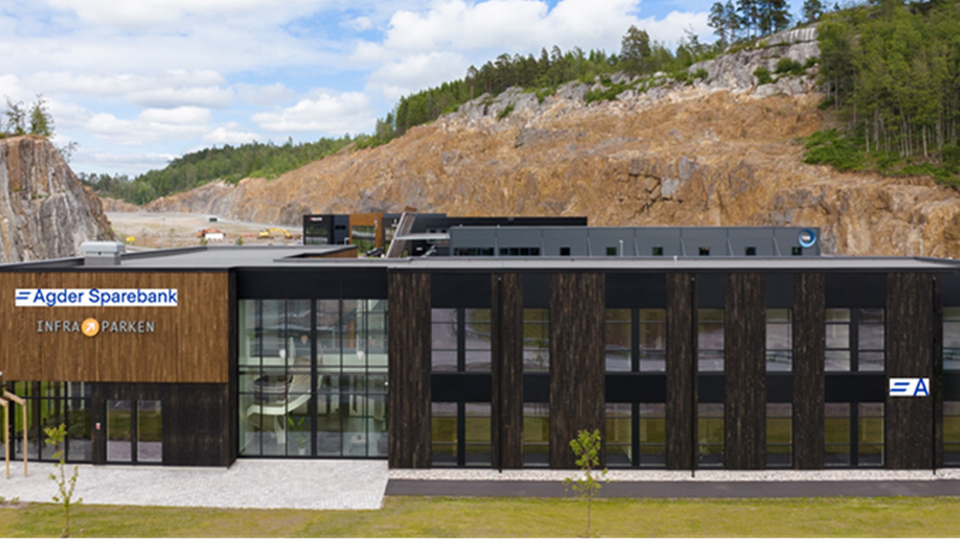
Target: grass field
514	517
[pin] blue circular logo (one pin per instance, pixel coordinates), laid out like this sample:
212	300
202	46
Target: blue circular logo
807	238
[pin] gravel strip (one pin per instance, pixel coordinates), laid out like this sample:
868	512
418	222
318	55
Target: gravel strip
677	476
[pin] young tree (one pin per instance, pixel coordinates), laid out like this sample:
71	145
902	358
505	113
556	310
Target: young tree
718	21
812	10
635	49
65	485
16	118
586	486
41	122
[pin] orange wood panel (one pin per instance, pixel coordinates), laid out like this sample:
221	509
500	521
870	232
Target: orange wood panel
189	342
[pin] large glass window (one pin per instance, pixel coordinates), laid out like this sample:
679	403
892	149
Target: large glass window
443	428
653	435
536	340
443	337
870	434
461	340
836	425
289	368
779	435
951	339
951	432
853	434
618	335
460	434
779	340
710	339
477	335
477	434
710	434
48	405
653	340
854	339
619	434
536	434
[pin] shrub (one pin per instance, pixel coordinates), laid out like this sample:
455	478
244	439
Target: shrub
505	112
787	66
762	75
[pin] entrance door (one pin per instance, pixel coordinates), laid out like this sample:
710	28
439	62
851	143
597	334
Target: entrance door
134	431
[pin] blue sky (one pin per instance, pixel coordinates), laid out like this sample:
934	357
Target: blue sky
136	83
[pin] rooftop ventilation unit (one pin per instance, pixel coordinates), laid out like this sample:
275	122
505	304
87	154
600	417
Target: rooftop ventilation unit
102	253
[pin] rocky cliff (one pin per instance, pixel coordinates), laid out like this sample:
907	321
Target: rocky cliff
717	149
45	212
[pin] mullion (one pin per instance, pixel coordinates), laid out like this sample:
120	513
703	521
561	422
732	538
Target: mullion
461	339
635	340
314	379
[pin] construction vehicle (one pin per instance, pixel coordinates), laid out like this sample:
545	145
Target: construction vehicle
268	233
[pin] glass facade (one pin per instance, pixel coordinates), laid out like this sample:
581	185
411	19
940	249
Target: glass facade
48	405
619	348
536	434
951	433
779	340
619	434
855	340
536	340
853	435
313	377
653	340
710	340
779	435
710	434
951	338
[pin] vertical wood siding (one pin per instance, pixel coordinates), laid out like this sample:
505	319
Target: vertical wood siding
809	345
744	343
681	374
507	371
190	343
576	361
909	334
409	370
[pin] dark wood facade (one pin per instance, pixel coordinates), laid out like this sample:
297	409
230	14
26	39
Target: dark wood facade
507	371
681	405
408	329
910	330
745	371
808	376
190	342
576	362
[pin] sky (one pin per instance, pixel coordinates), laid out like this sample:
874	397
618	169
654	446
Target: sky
136	83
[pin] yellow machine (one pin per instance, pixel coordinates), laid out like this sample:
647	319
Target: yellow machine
275	230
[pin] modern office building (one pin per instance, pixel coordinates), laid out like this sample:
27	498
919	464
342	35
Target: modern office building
200	356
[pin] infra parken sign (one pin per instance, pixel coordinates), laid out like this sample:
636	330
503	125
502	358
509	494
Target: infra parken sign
96	298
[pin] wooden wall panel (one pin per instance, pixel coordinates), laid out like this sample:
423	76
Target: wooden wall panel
409	370
196	420
936	382
507	371
909	335
577	367
681	406
809	345
744	343
190	342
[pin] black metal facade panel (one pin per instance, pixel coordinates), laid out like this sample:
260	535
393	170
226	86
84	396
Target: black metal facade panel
311	283
711	290
681	380
809	387
536	388
854	387
461	290
456	387
196	420
779	388
951	386
854	289
950	288
507	381
408	329
536	290
636	388
576	362
744	342
627	290
909	334
711	388
780	290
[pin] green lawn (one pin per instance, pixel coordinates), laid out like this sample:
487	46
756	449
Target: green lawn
509	517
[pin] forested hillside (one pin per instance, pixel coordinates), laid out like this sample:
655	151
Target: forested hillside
892	72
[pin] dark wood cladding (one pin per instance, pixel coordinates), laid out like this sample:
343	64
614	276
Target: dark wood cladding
190	342
409	370
195	420
744	343
576	361
809	345
681	377
507	371
936	392
909	335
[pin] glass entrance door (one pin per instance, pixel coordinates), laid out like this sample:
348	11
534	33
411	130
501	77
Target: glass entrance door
130	422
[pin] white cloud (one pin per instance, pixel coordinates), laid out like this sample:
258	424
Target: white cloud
151	125
132	163
231	133
145	13
416	72
268	95
358	24
328	112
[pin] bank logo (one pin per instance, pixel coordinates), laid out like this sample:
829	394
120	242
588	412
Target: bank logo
96	297
910	387
807	238
90	327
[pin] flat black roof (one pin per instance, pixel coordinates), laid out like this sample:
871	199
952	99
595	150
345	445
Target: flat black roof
290	257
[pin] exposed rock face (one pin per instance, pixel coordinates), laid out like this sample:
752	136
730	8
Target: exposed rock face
45	212
721	151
